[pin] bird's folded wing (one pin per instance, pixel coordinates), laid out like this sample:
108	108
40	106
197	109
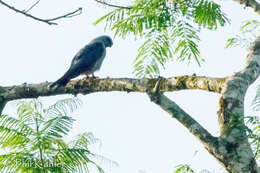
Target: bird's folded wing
89	54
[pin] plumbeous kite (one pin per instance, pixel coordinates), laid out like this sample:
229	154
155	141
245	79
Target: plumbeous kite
87	60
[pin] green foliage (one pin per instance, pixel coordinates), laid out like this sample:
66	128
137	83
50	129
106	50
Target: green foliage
157	47
183	168
170	28
34	141
246	36
208	14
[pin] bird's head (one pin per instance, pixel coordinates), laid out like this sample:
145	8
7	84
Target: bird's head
105	39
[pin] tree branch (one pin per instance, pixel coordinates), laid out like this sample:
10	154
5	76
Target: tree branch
48	21
239	156
86	86
2	105
185	119
111	5
32	6
231	104
250	3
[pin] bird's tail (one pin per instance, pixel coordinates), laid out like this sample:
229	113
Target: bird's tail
60	82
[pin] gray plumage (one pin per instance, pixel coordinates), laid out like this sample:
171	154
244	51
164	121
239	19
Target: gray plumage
88	60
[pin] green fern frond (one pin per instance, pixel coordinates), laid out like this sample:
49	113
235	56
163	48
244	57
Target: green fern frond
148	18
56	127
28	110
186	41
139	19
208	14
76	159
13	133
84	140
183	168
37	137
153	54
159	48
63	107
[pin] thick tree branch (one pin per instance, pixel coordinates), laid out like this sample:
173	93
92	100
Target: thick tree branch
250	3
231	116
111	5
185	119
48	21
232	100
86	86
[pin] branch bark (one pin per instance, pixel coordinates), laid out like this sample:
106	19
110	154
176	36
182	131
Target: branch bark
86	86
231	116
232	96
48	21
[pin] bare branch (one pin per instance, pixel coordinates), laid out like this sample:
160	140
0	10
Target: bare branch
185	119
111	5
86	86
32	6
68	15
48	21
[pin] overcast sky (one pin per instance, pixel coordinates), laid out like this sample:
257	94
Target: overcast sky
134	132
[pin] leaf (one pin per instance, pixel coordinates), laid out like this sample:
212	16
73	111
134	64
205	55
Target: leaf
37	137
183	168
63	107
153	19
56	127
13	133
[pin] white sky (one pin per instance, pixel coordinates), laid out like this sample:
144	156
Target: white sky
134	132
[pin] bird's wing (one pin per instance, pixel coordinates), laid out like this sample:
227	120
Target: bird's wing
92	52
86	59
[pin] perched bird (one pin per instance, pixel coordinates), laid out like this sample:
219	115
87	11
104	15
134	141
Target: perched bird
87	60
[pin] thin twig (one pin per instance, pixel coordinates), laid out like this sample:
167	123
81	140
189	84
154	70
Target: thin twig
48	21
68	15
112	5
32	6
